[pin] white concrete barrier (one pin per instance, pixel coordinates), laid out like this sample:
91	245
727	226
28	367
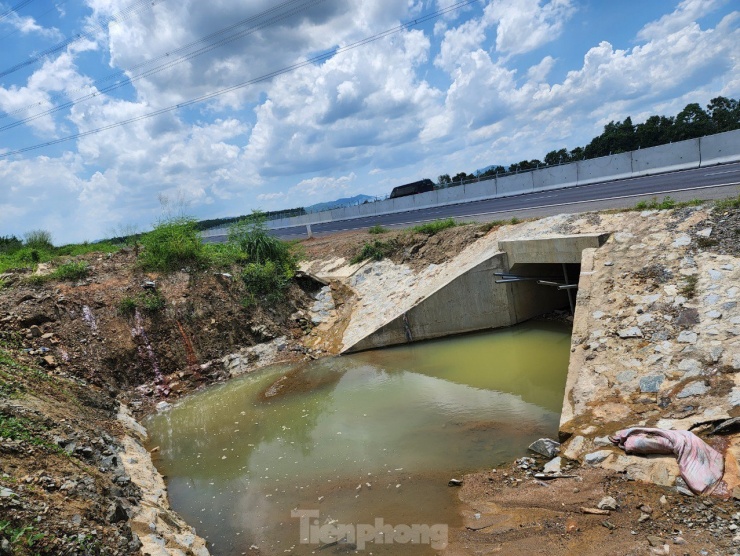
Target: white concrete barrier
681	155
564	175
480	190
713	149
450	195
614	167
720	148
515	184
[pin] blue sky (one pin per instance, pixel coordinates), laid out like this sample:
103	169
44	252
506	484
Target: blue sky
493	82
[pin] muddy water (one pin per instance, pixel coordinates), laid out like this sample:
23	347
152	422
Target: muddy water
370	436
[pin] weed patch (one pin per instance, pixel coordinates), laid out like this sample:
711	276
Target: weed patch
150	302
688	290
376	251
377	229
431	228
173	244
727	204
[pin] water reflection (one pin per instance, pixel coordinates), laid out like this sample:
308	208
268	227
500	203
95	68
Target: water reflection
240	456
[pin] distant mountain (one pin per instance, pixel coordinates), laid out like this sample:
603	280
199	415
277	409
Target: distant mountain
339	203
484	170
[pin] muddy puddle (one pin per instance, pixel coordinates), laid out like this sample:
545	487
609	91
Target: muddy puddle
357	439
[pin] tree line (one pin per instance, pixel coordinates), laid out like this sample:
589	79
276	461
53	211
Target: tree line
722	114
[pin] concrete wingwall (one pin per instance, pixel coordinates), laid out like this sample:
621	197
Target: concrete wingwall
472	300
693	153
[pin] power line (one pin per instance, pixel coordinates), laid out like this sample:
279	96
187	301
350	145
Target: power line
119	16
171	63
15	8
265	77
14	31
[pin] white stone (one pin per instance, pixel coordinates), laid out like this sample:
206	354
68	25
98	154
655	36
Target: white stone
706	232
715	274
682	241
686	337
595	458
553	466
597	314
691	367
714	315
631	332
575	447
644	319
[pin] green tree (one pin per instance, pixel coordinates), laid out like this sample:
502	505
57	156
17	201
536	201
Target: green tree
656	130
557	157
692	122
724	113
444	179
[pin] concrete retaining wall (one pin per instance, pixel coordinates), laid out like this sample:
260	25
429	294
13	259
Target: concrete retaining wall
614	167
515	184
682	155
720	148
565	175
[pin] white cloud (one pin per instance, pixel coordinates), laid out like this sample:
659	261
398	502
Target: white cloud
687	12
315	190
27	25
524	25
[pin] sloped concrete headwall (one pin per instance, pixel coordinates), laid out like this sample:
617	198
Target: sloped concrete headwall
472	300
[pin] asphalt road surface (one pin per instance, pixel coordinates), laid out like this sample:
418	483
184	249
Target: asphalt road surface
714	182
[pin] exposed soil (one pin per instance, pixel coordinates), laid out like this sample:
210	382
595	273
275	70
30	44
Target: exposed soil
416	250
511	512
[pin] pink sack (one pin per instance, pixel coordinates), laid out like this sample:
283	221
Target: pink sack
701	465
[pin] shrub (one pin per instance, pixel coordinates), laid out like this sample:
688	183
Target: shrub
689	288
251	237
10	244
377	229
654	204
376	251
436	226
173	244
514	220
71	271
488	226
267	281
127	306
38	239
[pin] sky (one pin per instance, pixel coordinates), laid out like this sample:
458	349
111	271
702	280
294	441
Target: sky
268	104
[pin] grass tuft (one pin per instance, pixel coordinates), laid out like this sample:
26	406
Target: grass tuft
376	251
173	244
377	229
431	228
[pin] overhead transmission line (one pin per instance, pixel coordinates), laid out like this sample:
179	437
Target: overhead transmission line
118	16
265	77
15	8
175	61
36	18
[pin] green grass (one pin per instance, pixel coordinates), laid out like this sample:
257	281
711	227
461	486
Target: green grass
377	229
149	301
436	226
68	272
666	204
173	244
514	220
376	251
488	226
267	280
18	428
688	290
256	245
727	204
20	538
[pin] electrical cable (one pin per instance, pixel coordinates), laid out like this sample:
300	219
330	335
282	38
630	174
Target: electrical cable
265	77
119	16
160	68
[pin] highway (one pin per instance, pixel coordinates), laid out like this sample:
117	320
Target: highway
712	182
